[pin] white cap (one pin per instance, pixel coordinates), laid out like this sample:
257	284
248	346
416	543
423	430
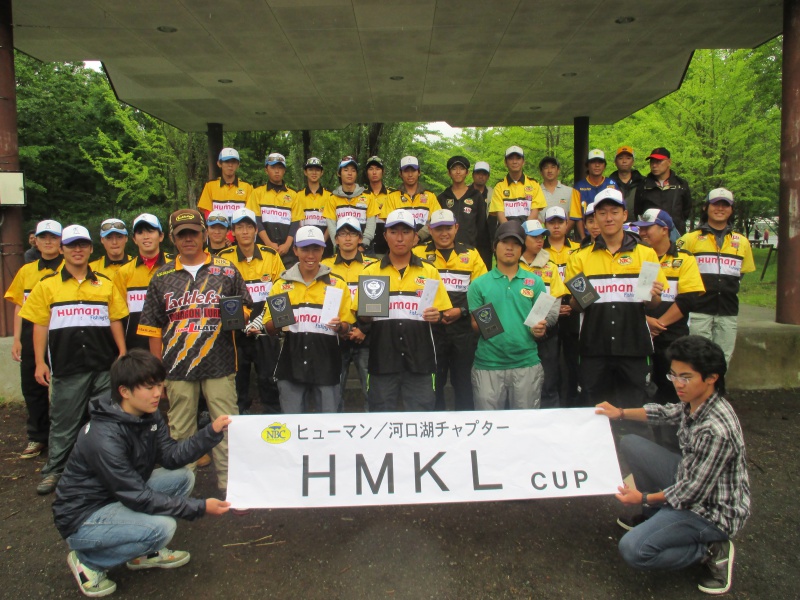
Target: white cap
151	220
242	214
609	194
589	210
217	217
596	154
228	154
442	217
74	233
309	236
48	226
409	161
110	226
720	194
555	212
482	165
351	222
514	150
534	227
400	216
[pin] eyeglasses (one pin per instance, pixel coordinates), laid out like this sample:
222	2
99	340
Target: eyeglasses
112	225
678	379
347	234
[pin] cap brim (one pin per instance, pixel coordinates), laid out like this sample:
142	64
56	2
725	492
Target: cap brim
192	226
239	220
564	218
72	240
646	224
150	225
722	199
511	235
415	167
109	231
272	163
393	223
305	243
536	232
657	157
441	224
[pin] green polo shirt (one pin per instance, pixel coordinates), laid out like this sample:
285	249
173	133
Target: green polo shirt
512	299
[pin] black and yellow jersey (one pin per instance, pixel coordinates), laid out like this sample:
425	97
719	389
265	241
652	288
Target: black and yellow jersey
225	197
108	267
278	207
685	286
312	204
547	269
422	204
259	273
516	199
78	315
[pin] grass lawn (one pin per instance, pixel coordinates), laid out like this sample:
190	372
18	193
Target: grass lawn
754	291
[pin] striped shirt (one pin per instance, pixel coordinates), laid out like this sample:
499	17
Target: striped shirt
712	476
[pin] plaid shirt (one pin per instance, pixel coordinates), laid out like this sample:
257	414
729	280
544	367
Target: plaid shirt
712	476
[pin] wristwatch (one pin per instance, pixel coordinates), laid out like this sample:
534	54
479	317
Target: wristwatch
645	504
464	311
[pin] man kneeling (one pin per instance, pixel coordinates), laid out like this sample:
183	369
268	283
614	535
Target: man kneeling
112	505
693	502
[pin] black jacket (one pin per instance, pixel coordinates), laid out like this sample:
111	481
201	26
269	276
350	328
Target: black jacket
675	198
113	458
629	190
470	213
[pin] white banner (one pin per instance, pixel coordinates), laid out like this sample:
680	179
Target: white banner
365	459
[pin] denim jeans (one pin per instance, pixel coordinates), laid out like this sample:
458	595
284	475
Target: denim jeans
115	534
670	538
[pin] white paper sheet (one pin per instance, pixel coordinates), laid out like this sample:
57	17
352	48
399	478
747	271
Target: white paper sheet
647	276
331	304
428	294
540	309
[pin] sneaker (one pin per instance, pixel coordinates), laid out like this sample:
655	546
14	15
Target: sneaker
720	567
33	449
48	484
163	559
204	461
628	523
92	583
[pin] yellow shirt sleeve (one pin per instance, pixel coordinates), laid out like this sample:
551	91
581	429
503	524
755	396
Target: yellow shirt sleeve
329	212
205	202
496	205
748	265
37	307
16	291
689	279
117	305
478	266
373	210
390	204
574	264
538	200
557	287
346	314
575	208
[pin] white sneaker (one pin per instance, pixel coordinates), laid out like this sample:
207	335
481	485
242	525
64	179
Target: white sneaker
92	583
163	559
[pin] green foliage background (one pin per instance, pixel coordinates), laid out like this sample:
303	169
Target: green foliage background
87	156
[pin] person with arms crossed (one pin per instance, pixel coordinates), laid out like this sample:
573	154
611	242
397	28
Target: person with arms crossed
627	178
313	198
376	189
694	502
113	505
228	193
76	317
662	188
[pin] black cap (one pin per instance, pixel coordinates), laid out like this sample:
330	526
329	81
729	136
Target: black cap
458	160
549	160
510	229
658	154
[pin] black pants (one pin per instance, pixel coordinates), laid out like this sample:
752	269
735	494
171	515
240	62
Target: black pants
36	396
624	381
262	352
549	355
569	342
455	352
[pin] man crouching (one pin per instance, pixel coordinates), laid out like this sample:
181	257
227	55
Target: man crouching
112	505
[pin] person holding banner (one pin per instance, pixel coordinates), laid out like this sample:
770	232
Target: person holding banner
694	502
459	265
113	506
402	359
310	361
507	372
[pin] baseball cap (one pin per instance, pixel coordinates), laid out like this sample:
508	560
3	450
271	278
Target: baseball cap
720	194
555	212
112	226
457	160
534	227
217	217
313	162
442	217
596	154
350	222
632	227
589	210
514	150
625	150
74	233
400	216
655	216
510	229
147	219
549	160
609	195
48	226
375	160
659	154
409	161
241	214
482	165
228	154
309	235
186	218
348	160
275	159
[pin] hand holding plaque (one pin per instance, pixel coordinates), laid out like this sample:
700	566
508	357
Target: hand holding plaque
582	290
280	309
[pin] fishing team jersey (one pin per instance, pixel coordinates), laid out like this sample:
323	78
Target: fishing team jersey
312	204
380	199
615	325
362	206
685	286
278	207
108	267
259	273
24	281
78	316
516	199
184	312
421	205
225	197
458	267
403	341
720	267
561	257
310	352
132	280
553	283
348	271
586	196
